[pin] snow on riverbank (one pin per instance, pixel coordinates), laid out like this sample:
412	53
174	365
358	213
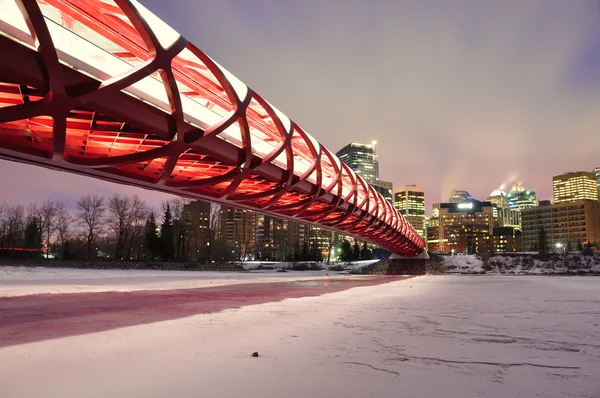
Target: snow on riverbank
434	336
526	264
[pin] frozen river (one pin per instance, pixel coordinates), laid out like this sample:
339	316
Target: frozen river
114	334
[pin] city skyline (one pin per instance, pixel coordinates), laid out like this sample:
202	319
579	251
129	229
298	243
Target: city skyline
438	151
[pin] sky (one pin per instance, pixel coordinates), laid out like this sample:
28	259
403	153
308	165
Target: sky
461	94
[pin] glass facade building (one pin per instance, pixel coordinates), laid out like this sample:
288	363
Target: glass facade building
521	198
362	159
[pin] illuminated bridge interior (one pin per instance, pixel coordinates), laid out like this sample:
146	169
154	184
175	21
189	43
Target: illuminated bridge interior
106	89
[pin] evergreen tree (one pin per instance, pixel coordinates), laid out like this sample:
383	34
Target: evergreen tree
569	247
365	254
166	236
151	239
305	254
356	251
543	242
346	250
297	250
579	246
32	237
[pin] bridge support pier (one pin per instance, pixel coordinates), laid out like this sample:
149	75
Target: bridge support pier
406	266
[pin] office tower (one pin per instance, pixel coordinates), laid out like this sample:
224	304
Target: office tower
409	200
384	188
571	187
521	198
362	159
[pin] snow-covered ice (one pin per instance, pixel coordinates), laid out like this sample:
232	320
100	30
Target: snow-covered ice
432	336
16	281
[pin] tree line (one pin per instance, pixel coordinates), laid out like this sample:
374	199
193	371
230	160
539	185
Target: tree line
119	227
125	227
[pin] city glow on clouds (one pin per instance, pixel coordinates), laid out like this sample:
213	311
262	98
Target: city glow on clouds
461	94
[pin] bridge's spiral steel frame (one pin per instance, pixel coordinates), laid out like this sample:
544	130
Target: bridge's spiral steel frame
207	136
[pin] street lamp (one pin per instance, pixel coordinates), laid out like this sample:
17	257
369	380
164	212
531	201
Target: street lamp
559	246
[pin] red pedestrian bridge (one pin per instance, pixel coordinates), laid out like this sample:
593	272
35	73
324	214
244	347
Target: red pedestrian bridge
104	88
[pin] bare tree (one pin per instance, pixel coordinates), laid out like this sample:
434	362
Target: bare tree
90	215
180	224
46	217
62	225
139	213
119	210
2	224
12	225
214	228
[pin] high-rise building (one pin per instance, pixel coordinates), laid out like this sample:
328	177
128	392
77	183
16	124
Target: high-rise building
508	212
565	224
197	215
521	198
464	227
457	196
384	188
510	217
498	198
278	239
409	200
597	172
362	159
319	241
238	230
571	187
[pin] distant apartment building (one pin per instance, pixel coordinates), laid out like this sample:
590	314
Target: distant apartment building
197	215
464	227
566	224
238	231
409	200
278	239
507	240
575	186
319	241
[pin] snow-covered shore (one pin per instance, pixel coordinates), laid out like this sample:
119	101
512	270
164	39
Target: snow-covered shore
450	336
525	264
